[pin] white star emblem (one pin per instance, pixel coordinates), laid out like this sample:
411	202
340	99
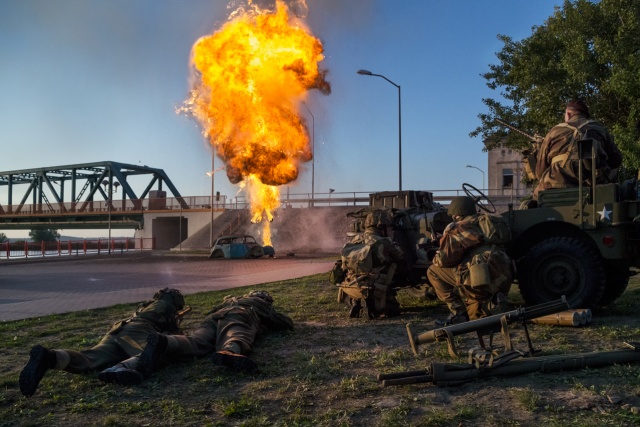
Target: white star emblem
604	213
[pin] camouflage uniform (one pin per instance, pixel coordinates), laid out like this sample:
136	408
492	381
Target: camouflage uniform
557	161
125	339
372	284
234	325
463	246
229	329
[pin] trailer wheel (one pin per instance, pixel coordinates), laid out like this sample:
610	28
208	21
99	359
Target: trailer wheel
617	282
561	266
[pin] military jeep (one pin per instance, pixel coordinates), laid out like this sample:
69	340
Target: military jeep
579	242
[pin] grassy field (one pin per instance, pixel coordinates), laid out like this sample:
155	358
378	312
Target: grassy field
324	372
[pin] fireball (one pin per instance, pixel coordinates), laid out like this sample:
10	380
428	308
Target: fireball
250	79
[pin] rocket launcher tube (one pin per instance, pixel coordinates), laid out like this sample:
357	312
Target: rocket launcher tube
486	323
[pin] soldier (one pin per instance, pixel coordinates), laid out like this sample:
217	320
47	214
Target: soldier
371	261
125	339
557	161
229	329
467	264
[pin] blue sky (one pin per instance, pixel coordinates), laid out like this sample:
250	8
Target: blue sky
92	80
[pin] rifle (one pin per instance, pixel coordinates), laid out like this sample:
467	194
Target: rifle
488	325
452	374
181	314
530	154
535	138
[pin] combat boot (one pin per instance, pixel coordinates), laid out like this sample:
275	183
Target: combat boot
453	319
120	374
40	359
153	350
355	307
233	361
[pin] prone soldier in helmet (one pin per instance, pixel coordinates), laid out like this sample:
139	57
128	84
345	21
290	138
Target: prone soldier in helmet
464	250
125	339
371	260
229	330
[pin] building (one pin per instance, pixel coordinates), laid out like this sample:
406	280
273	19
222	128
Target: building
506	171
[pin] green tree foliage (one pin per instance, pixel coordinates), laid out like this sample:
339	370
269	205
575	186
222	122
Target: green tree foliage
3	238
588	50
44	234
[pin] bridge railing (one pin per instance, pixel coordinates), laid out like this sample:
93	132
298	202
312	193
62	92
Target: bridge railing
360	198
29	249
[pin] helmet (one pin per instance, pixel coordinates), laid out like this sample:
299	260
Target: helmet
262	294
377	218
172	296
462	206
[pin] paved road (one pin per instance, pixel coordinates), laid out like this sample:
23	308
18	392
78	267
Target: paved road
40	287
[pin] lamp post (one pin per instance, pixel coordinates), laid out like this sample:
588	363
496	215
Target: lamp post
313	152
369	73
475	167
212	175
109	200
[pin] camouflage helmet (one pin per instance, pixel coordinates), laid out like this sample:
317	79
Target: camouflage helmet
462	206
170	295
262	294
378	218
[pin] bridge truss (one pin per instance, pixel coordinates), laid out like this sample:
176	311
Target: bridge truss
81	196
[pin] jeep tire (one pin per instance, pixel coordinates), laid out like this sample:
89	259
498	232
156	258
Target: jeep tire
617	282
561	266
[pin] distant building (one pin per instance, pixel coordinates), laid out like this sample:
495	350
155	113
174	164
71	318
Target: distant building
506	170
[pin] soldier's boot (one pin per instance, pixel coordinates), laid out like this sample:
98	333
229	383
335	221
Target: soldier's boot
120	374
230	357
498	303
355	307
40	359
453	319
153	350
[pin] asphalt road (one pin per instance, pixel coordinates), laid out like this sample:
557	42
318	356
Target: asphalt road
35	288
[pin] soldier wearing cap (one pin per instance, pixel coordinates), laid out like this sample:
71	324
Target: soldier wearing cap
557	161
126	338
229	330
463	246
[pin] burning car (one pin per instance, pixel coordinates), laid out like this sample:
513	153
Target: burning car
239	246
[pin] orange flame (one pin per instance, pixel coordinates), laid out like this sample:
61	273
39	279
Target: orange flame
252	75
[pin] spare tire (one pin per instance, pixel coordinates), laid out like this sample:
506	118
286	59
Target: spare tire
561	266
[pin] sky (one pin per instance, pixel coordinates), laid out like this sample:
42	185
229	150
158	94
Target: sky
91	80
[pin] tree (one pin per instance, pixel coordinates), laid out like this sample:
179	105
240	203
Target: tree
44	234
584	50
3	238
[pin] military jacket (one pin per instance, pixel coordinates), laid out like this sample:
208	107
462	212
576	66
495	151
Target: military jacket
557	163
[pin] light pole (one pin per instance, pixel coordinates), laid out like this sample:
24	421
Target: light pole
212	175
109	200
475	167
369	73
313	152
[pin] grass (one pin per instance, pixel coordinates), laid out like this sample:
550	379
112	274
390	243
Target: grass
324	372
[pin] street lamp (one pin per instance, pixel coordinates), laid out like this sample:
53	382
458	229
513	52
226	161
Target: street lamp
475	167
109	200
313	152
369	73
212	174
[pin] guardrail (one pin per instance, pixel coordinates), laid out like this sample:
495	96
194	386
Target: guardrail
27	249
